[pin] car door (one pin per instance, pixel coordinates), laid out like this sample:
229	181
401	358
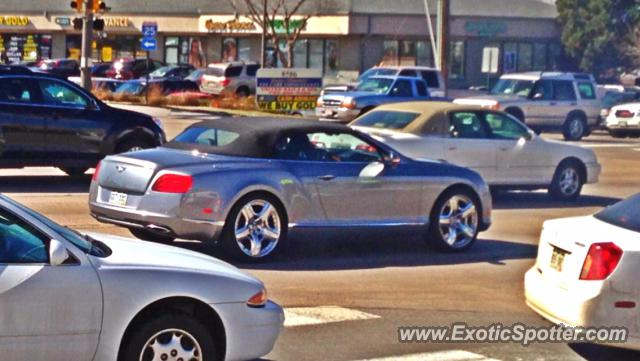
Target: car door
564	101
469	143
47	312
521	159
540	107
75	127
22	122
401	91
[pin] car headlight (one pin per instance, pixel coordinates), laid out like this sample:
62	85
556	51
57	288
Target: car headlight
349	103
494	106
259	299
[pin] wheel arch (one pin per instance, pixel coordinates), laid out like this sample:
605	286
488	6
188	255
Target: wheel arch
465	188
184	305
582	168
577	113
131	134
256	191
515	111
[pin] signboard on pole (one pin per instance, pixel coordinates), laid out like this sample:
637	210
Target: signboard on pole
149	29
288	90
490	56
149	44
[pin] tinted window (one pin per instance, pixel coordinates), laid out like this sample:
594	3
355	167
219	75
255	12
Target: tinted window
337	147
505	127
402	88
384	119
431	77
586	91
563	90
625	214
16	90
377	71
513	87
57	93
375	85
19	242
252	70
233	71
421	87
207	136
408	72
543	90
214	71
467	126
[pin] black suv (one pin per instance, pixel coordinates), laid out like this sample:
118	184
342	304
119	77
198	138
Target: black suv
49	121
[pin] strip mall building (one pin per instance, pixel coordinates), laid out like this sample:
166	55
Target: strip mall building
341	35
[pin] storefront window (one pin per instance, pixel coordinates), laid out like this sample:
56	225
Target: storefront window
555	56
539	56
171	50
390	56
316	48
107	48
229	49
510	58
18	48
424	54
244	49
456	60
525	57
331	56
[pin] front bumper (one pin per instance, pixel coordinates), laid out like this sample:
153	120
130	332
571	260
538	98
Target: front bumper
593	172
250	332
342	115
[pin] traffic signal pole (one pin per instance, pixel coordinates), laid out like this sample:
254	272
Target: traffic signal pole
443	41
87	42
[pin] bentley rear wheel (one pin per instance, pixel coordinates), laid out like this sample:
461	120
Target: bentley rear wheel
454	222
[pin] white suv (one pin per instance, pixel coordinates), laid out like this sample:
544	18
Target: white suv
237	78
546	101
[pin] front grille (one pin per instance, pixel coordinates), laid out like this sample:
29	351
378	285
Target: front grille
332	102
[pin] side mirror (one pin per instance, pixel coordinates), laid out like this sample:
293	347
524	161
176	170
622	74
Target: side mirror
372	170
391	160
537	96
58	253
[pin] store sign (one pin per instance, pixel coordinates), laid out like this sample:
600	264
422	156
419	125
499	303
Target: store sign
14	21
231	26
294	25
117	22
486	28
63	21
288	90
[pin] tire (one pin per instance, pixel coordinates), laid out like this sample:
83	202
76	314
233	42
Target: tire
574	128
453	205
242	92
149	236
162	328
133	145
74	171
567	181
516	113
245	229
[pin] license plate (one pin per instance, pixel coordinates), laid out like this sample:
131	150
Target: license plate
623	124
557	258
118	199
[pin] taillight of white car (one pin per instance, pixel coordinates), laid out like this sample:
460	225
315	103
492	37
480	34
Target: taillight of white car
602	259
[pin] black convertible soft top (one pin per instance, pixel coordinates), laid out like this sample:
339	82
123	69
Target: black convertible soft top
257	135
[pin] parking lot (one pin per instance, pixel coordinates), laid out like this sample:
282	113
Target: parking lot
345	297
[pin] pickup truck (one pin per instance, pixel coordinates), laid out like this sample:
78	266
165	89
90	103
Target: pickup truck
375	91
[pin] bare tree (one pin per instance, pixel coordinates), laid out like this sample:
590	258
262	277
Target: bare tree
283	23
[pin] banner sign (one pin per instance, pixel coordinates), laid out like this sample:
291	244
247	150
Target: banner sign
288	90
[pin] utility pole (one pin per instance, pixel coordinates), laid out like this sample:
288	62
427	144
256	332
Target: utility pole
87	42
443	40
264	34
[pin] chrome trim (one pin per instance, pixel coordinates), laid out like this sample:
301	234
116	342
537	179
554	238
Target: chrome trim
358	224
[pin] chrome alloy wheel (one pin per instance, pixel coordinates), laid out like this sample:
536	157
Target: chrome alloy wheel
171	345
257	228
569	181
458	221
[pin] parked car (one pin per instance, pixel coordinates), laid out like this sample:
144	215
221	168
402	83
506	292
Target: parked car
82	292
165	86
99	70
48	121
432	76
180	71
126	69
624	121
108	84
613	98
546	101
373	92
247	183
237	78
586	271
61	67
495	144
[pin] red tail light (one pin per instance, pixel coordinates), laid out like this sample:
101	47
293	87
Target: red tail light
173	183
602	259
225	82
259	299
95	173
623	113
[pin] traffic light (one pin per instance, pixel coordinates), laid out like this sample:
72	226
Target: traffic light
77	23
98	25
77	5
100	6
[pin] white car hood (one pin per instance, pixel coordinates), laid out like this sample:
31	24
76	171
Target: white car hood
135	254
563	150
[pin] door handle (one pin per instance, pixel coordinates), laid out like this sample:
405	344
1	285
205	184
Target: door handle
504	149
453	148
553	103
326	177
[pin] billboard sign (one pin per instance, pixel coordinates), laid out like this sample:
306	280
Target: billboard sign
288	90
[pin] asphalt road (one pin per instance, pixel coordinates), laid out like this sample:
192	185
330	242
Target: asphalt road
382	282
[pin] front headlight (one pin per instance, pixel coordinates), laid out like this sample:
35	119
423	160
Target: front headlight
259	299
349	103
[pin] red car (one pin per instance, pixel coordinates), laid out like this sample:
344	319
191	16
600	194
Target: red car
126	69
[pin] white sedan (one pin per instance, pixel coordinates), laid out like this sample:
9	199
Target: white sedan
586	272
65	296
498	146
624	121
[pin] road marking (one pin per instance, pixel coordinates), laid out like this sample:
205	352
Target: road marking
606	145
305	316
453	355
32	171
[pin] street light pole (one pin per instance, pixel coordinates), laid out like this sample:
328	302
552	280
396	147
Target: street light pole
87	42
264	34
443	40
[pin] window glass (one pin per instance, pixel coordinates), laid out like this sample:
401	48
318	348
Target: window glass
510	57
57	93
525	56
431	77
384	119
539	56
586	91
563	90
207	136
512	87
252	69
244	49
408	72
316	47
424	54
300	53
456	60
15	90
229	50
375	85
505	127
421	87
19	242
625	214
390	56
402	88
335	147
233	71
331	56
543	90
467	125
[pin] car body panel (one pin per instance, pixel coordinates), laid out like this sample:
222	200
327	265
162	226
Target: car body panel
624	125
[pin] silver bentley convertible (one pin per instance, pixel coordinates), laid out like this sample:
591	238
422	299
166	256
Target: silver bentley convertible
247	182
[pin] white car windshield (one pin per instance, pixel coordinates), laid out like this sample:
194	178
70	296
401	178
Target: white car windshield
513	87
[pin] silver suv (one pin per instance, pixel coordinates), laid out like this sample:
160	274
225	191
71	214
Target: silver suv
546	101
237	78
